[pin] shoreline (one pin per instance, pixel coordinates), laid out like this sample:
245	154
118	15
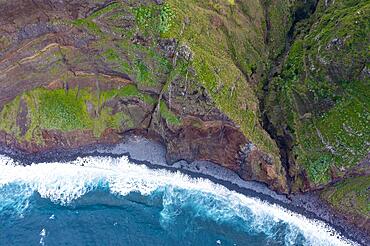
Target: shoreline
140	150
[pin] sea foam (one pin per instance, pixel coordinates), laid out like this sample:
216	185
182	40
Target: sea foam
63	183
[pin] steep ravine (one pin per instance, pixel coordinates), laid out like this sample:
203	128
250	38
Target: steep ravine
315	104
284	142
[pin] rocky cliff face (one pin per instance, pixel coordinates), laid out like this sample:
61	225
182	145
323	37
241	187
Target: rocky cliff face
276	91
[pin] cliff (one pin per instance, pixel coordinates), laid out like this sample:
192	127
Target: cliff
277	91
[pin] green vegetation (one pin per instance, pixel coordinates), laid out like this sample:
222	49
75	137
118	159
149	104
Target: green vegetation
341	133
143	73
8	117
165	15
221	56
280	21
166	114
318	170
89	22
62	110
67	111
127	91
323	101
154	18
89	25
114	58
148	70
111	55
350	196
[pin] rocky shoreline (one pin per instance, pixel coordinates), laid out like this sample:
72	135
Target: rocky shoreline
153	154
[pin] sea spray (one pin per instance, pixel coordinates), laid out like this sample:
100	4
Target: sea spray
64	183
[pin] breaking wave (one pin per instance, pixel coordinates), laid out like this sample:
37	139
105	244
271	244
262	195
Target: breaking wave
65	183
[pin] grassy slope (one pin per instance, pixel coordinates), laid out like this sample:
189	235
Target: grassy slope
350	196
222	54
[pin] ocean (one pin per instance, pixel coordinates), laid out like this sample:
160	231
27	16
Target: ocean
111	201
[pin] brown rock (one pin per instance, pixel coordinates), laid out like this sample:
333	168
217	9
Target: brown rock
222	143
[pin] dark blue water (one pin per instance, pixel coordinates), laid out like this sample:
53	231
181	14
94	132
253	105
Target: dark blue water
112	202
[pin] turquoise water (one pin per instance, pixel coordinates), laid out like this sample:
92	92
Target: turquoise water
110	201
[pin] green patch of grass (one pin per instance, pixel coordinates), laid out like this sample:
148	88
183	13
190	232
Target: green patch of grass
8	116
115	57
169	116
350	196
34	131
117	60
280	22
143	16
338	40
111	55
127	91
143	74
318	171
61	110
90	25
145	64
154	18
166	15
108	120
